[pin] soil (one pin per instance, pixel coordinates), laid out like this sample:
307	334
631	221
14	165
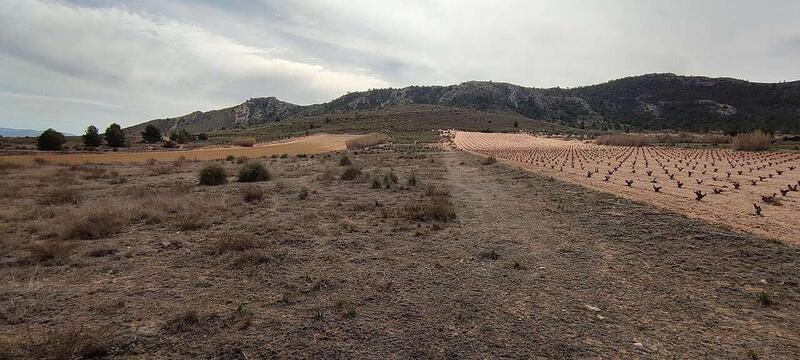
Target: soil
763	175
532	267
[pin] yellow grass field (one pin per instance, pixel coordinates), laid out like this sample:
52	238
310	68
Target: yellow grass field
306	145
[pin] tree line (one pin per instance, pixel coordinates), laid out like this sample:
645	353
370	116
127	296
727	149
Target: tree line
114	137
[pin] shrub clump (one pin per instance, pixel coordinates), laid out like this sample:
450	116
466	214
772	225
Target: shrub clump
365	141
213	174
351	173
437	207
754	141
253	171
245	141
345	160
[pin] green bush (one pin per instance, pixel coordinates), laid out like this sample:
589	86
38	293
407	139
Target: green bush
151	134
213	174
50	140
253	171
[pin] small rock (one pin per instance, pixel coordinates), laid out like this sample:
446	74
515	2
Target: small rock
638	345
600	317
593	308
763	281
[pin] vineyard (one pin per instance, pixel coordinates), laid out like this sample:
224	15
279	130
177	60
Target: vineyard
755	192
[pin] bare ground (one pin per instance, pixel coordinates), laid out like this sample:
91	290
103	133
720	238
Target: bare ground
531	268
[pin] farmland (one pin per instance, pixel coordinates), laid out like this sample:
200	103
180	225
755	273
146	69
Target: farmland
304	145
749	191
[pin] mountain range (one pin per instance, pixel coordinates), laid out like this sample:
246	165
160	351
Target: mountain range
646	102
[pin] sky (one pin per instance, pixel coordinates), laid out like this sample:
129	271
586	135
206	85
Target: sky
66	64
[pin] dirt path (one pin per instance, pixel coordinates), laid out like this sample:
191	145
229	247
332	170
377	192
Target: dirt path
306	145
602	274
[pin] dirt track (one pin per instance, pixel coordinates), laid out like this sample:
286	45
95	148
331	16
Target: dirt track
306	145
609	169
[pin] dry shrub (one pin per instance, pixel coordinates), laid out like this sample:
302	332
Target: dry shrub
348	225
185	321
213	173
236	242
254	170
246	141
60	196
252	257
754	141
95	221
6	166
351	173
327	177
368	140
78	343
55	252
432	191
185	212
434	209
488	161
625	140
692	138
251	193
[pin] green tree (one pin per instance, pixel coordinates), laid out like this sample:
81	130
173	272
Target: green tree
50	140
181	136
516	124
92	137
151	134
114	136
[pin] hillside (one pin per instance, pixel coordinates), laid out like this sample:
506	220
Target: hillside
647	102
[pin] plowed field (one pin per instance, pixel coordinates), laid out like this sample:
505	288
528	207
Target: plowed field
721	186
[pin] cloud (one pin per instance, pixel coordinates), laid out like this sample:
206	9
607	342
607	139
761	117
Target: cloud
141	57
156	58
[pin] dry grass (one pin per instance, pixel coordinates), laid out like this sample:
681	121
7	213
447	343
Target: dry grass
60	196
436	207
95	221
185	321
245	141
754	141
625	140
54	252
77	343
366	141
236	242
251	193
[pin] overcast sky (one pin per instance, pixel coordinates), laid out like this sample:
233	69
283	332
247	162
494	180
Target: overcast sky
68	64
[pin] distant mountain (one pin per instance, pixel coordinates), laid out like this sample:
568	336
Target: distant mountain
9	132
18	132
647	102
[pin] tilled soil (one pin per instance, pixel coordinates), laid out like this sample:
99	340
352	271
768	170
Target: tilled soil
531	268
731	185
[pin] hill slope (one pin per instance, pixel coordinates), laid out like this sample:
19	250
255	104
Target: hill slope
648	102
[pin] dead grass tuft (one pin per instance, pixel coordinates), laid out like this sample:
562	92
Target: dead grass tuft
232	243
50	252
251	193
246	141
185	321
78	343
754	141
60	196
95	221
366	141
